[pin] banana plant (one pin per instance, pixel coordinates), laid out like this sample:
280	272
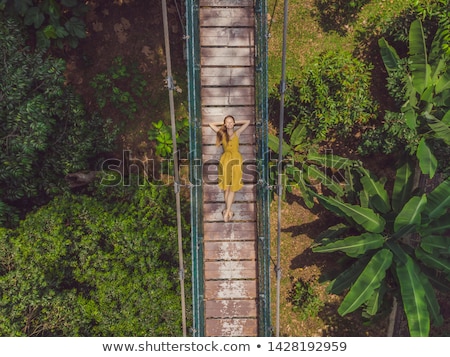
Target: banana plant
427	97
397	243
293	151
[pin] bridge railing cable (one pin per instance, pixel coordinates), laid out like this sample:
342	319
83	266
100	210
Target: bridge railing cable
170	86
280	164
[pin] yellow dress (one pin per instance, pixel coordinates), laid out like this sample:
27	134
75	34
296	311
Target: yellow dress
230	166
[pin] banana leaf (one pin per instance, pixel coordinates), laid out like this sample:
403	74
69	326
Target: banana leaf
375	301
446	118
437	280
389	55
433	261
440	129
330	160
316	174
365	217
410	114
403	184
369	280
353	246
333	232
298	178
413	298
347	277
364	198
438	200
273	143
435	244
421	70
432	303
297	138
375	188
399	254
442	100
427	161
411	212
443	83
437	226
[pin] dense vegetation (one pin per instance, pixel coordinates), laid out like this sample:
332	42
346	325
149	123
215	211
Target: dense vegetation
45	131
394	234
101	261
98	260
100	265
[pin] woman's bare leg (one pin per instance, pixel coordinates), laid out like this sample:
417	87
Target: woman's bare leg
229	202
229	198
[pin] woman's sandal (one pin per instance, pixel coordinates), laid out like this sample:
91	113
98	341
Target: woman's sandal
230	215
225	215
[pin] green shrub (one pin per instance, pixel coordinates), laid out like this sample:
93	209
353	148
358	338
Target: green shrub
121	85
331	97
162	135
58	22
335	15
305	299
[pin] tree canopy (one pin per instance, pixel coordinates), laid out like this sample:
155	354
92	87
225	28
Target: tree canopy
45	131
92	266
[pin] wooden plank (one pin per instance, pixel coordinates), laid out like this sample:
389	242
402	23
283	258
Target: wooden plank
220	96
226	3
227	76
211	154
227	16
227	56
226	61
246	138
231	327
230	250
230	308
226	36
229	231
215	114
245	52
243	269
213	101
212	212
235	91
230	289
212	193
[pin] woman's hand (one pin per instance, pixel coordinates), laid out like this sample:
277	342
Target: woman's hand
243	125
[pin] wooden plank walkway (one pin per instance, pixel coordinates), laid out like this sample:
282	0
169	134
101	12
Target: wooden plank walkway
227	55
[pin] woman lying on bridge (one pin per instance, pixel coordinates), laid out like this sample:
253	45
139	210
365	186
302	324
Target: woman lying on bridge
230	166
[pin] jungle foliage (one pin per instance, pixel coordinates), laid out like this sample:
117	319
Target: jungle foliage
393	239
51	22
327	100
101	265
396	243
45	131
420	85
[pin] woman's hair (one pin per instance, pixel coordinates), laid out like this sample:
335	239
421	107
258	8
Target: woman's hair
223	133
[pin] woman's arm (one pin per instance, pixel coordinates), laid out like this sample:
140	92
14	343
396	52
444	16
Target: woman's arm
216	126
243	125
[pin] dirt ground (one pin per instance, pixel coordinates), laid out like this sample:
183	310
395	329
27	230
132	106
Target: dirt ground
133	30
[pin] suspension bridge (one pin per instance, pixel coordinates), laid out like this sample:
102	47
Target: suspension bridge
227	75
